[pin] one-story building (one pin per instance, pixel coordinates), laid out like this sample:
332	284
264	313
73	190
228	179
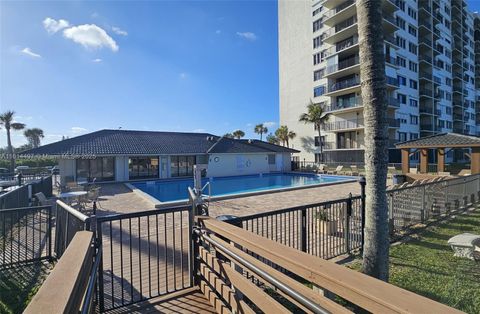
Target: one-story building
126	155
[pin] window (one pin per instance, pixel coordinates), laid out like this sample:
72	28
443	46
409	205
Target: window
317	142
317	25
402	98
413	66
401	22
412	48
401	62
319	91
448	110
448	81
413	103
317	42
347	140
271	159
400	4
101	169
316	11
401	42
449	124
142	167
412	30
441	123
413	136
181	166
412	13
317	58
402	136
413	84
413	119
317	75
402	80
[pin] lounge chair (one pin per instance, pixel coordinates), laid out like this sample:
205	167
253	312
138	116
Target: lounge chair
322	168
391	171
443	173
465	172
413	170
353	170
336	171
43	200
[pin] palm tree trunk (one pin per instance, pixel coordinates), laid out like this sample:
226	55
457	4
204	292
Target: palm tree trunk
10	151
320	142
373	88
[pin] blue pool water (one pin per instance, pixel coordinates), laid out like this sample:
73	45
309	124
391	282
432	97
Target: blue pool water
176	190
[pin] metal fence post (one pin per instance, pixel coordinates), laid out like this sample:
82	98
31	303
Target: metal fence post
99	244
303	230
363	182
50	233
391	219
348	213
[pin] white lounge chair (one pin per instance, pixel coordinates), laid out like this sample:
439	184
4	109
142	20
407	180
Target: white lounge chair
336	171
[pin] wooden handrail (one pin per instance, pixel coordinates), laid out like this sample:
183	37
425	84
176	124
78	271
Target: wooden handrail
64	288
367	292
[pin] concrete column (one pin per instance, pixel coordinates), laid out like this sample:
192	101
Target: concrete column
423	160
405	160
475	160
440	159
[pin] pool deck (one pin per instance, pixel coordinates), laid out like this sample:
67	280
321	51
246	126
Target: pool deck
117	198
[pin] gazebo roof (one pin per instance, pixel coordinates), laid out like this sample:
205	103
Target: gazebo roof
442	140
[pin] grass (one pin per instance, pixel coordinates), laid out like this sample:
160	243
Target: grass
426	265
18	284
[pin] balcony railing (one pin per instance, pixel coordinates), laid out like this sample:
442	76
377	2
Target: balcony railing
392	81
357	102
350	62
344	84
355	124
340	46
341	26
338	9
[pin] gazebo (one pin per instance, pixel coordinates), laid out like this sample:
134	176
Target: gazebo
441	142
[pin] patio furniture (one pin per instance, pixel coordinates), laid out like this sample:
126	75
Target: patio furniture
336	171
443	173
391	171
322	168
68	196
93	195
353	170
413	170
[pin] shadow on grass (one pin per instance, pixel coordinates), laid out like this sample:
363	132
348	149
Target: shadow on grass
19	283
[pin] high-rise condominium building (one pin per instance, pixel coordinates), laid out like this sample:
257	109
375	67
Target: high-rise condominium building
433	81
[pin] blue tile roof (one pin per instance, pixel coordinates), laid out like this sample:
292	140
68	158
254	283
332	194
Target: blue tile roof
127	142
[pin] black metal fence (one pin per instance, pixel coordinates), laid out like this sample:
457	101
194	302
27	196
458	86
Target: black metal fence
25	234
326	229
144	255
68	221
21	196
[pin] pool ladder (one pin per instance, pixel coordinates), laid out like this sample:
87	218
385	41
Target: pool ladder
209	196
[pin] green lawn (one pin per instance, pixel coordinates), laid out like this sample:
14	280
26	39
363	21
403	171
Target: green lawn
18	284
426	265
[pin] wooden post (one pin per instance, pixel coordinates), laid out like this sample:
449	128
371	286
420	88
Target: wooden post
405	160
423	160
475	160
440	159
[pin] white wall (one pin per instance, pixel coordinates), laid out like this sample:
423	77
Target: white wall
220	165
121	168
67	169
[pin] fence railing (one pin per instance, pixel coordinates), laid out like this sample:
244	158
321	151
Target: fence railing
25	234
144	255
326	229
21	196
68	222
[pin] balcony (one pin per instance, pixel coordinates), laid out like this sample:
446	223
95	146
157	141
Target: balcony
342	46
339	13
357	104
341	86
391	60
349	63
355	124
392	82
341	31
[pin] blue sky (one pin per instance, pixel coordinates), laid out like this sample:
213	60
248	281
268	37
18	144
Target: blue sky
146	65
178	66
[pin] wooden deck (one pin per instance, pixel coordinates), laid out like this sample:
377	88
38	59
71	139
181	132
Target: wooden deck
188	301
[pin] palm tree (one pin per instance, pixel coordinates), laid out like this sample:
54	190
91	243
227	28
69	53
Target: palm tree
317	116
373	88
6	121
228	135
272	139
260	129
238	134
282	134
290	136
34	136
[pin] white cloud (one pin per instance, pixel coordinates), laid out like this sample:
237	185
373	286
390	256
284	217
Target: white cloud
30	53
218	32
119	31
269	124
52	26
90	36
247	35
98	60
77	129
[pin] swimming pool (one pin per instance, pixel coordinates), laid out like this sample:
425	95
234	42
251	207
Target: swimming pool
177	189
